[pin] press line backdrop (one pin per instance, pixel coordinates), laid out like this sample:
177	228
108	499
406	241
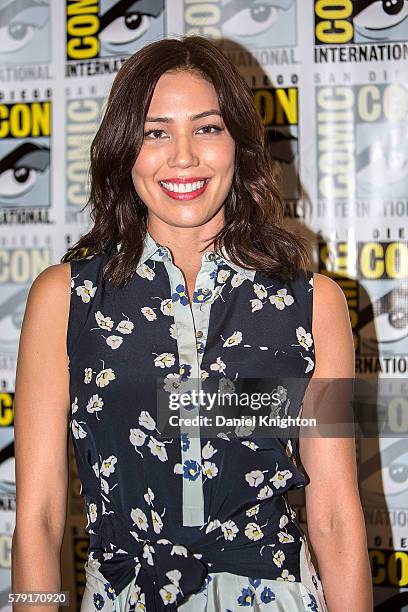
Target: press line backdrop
329	78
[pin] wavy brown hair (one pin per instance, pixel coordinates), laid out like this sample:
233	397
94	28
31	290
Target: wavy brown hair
252	235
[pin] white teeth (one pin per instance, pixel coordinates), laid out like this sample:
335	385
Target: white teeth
183	187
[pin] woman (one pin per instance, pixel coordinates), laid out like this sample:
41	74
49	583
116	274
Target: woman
186	275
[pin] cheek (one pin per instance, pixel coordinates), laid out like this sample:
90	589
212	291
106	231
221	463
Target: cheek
145	166
221	158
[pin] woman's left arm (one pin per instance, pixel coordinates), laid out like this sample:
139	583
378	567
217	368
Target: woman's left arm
335	518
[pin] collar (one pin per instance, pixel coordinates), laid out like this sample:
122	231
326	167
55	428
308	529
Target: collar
157	252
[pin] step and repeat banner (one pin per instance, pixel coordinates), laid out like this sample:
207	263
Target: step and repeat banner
330	80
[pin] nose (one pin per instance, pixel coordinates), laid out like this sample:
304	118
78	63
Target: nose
183	153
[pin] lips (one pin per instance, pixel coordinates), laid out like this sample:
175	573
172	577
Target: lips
182	196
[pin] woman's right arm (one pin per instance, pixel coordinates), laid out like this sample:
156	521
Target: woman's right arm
41	436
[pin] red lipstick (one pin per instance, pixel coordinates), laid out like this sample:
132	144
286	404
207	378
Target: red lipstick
180	180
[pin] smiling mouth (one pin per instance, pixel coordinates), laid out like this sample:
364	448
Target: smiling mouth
184	190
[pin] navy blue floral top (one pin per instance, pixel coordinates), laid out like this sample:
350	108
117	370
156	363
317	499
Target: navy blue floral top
167	511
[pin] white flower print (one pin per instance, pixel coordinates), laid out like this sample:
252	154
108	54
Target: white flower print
95	468
114	341
104	322
311	283
286	576
149	496
279	557
285	538
172	383
156	522
77	430
146	272
148	313
125	327
250	444
173	331
310	363
253	510
213	525
265	492
256	305
281	299
108	465
304	337
237	279
87	375
204	375
233	340
283	521
280	478
94	404
148	552
74	405
86	291
254	478
167	307
208	450
179	550
178	468
229	529
137	437
147	421
168	593
223	276
139	518
164	360
226	385
93	512
218	365
260	291
104	377
217	293
210	469
158	449
242	431
253	532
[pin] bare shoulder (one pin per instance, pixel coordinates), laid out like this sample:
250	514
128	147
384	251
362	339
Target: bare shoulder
325	288
47	307
331	328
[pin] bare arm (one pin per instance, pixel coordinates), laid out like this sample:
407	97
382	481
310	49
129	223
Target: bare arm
334	514
41	436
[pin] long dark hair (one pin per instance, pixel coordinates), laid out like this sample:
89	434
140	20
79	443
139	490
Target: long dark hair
252	235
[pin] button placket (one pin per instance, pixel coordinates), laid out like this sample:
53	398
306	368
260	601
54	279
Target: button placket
187	320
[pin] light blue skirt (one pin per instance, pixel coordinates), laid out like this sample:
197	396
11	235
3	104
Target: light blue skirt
221	592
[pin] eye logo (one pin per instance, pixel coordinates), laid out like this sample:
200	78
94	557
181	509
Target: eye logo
251	23
105	28
24	31
340	22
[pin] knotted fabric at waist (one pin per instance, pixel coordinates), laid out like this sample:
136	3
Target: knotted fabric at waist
166	572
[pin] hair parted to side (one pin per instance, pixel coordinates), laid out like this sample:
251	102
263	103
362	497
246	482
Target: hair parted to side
253	235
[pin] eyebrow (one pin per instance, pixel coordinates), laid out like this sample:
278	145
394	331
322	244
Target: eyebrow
213	111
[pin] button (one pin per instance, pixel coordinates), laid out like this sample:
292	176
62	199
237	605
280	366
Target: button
199	334
211	256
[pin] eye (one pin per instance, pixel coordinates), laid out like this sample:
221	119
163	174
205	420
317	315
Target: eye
253	20
20	169
125	29
19	30
148	132
382	14
211	127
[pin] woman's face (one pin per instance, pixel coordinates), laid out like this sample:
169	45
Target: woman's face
184	170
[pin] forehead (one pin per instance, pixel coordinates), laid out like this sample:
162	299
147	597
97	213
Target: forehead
183	89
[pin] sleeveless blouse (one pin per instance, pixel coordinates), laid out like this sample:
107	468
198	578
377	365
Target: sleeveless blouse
178	518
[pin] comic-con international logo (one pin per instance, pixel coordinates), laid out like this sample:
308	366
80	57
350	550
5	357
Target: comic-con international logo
279	110
252	25
360	30
101	34
373	275
24	32
361	149
25	134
